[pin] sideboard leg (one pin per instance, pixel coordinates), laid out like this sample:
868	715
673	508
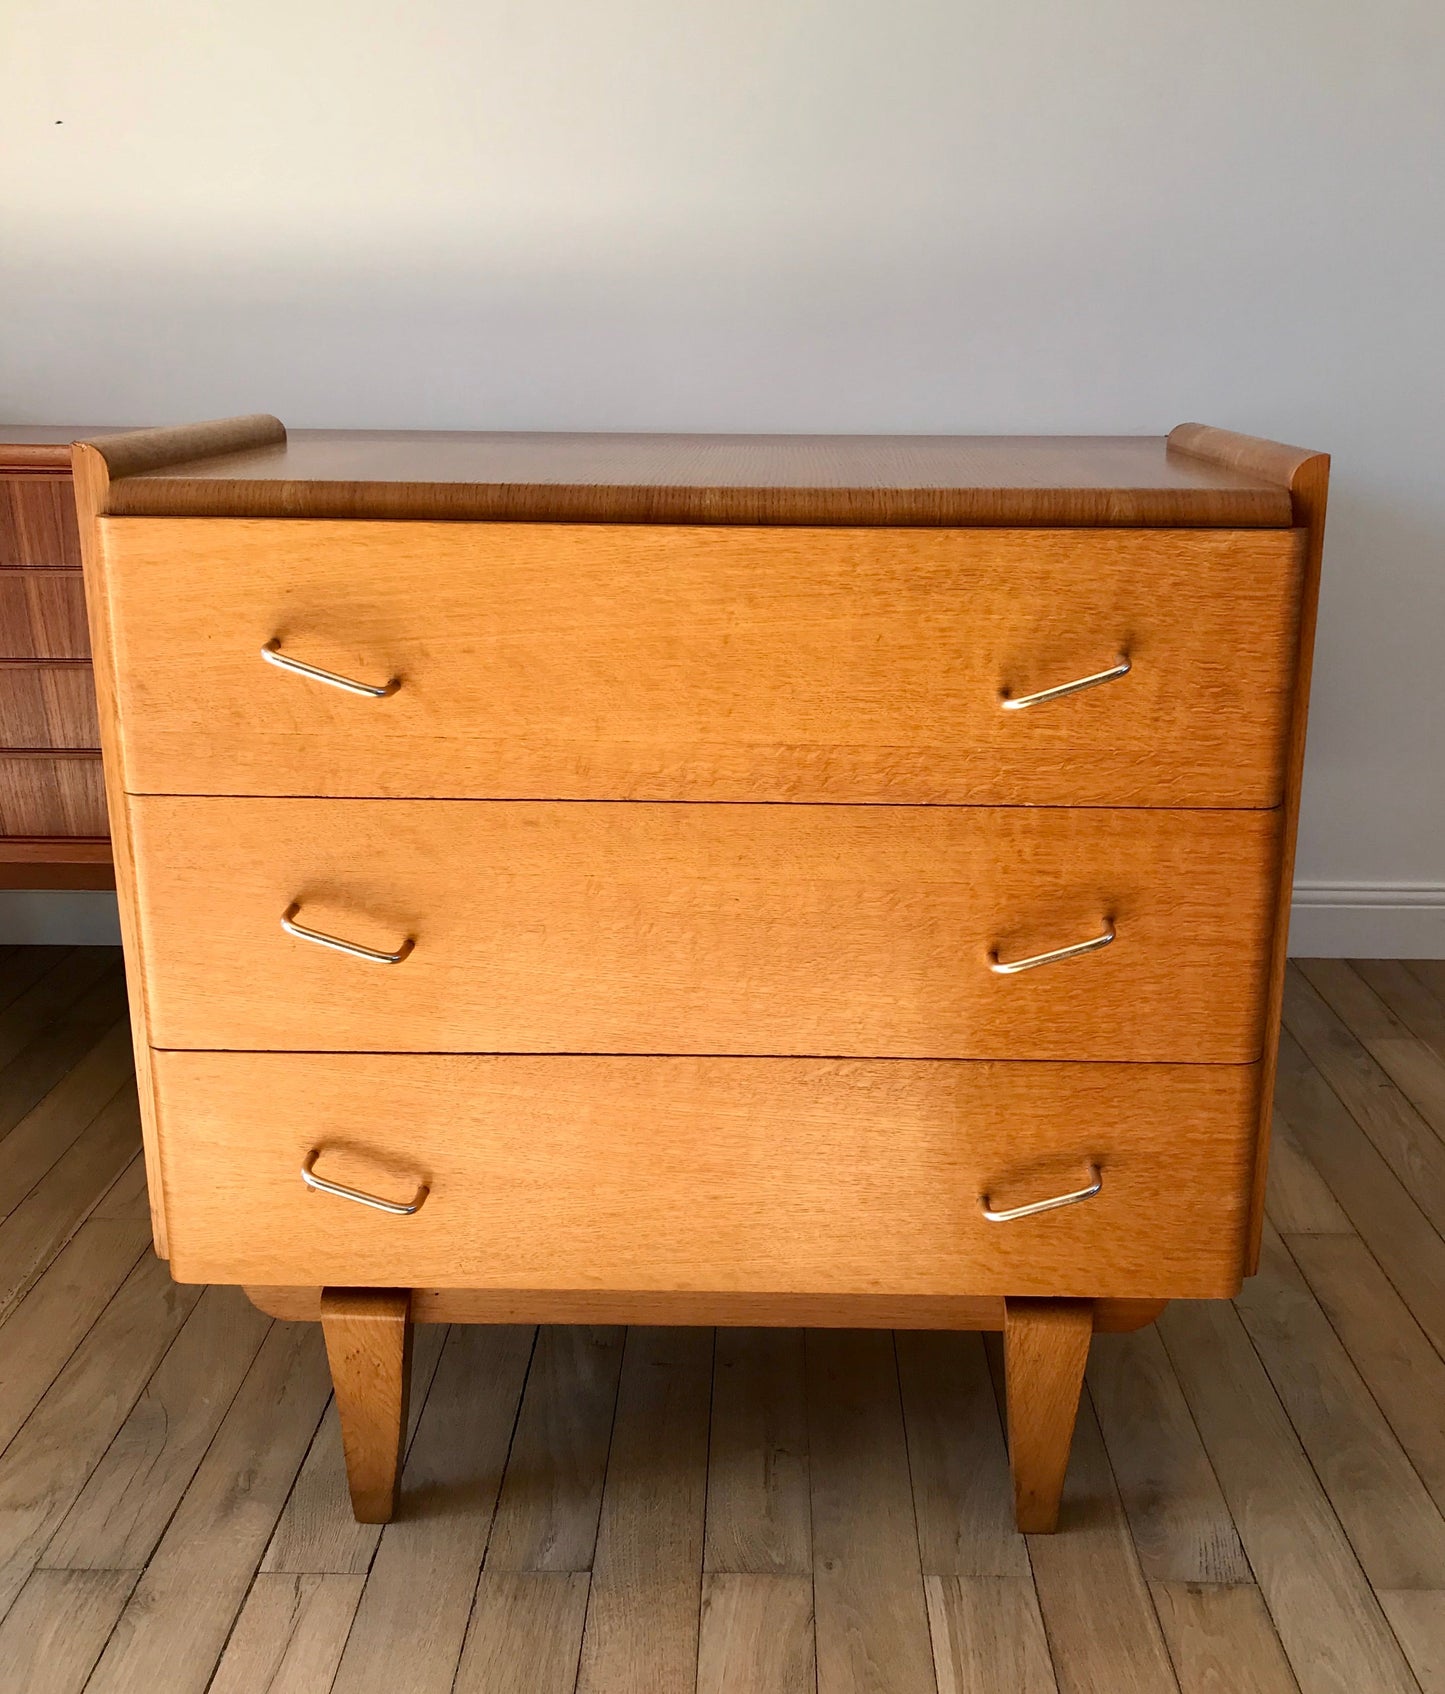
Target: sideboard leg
1046	1344
368	1346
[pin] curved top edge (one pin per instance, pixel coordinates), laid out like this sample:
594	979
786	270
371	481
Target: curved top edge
138	450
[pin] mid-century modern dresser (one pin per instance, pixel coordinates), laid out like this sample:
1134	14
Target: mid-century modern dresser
782	880
53	831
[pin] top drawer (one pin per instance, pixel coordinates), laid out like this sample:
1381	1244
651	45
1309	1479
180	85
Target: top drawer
659	662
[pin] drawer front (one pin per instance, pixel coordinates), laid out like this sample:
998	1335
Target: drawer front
779	1175
52	794
603	662
48	705
42	615
37	523
634	928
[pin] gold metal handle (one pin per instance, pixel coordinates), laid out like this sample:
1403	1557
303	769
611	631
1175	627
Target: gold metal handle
1077	951
1017	702
337	945
1096	1183
273	655
394	1208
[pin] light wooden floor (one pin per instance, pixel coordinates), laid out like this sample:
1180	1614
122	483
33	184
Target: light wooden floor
1254	1504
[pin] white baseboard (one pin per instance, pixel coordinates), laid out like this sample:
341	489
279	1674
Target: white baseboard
58	918
1331	920
1368	920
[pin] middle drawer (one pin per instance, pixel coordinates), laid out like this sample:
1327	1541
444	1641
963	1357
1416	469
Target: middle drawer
630	927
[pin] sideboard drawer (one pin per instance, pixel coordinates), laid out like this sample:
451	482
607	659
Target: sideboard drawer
778	1175
576	661
636	928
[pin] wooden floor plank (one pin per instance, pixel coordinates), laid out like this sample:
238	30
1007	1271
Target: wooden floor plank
289	1636
124	1508
1181	1526
759	1518
24	968
176	1623
317	1532
50	1001
1394	1526
1400	987
1410	1063
525	1633
412	1620
1221	1639
62	1441
642	1612
1102	1629
1405	1141
871	1614
46	1327
45	1220
1329	1623
1393	1227
57	1627
1431	973
988	1635
1418	1618
127	1197
52	1125
1403	1372
1297	1197
756	1634
962	1491
552	1492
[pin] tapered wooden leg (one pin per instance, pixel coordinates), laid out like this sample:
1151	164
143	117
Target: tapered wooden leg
1045	1347
368	1346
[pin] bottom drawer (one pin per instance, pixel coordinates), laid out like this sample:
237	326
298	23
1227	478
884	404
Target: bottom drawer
708	1175
52	794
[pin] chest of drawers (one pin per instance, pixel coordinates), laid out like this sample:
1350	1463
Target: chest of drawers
704	880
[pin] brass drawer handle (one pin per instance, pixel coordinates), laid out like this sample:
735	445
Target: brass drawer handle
1017	702
1096	1183
395	1208
273	655
1079	948
337	944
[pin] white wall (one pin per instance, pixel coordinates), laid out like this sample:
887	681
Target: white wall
938	215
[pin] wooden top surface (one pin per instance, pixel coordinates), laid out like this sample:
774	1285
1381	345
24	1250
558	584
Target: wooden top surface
740	479
42	447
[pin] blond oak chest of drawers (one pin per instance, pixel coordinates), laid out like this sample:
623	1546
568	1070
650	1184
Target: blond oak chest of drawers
704	880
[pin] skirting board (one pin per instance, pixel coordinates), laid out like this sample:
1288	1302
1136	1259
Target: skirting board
1332	920
1368	920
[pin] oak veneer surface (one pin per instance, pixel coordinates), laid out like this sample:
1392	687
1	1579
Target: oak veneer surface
786	1175
544	661
576	927
771	479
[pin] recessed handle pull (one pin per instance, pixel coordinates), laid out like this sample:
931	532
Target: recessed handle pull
1096	1184
337	945
394	1208
1017	702
273	655
1077	951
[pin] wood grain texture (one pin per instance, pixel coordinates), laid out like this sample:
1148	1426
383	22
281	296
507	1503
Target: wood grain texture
52	794
57	1628
756	1634
555	927
92	483
872	1619
1307	475
368	1347
525	1633
37	523
654	662
671	1173
709	1306
47	705
987	1635
758	1513
1221	1639
1046	1345
42	615
289	1636
622	478
642	1618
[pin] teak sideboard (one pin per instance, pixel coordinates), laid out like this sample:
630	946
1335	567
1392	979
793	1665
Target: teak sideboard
764	880
53	831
